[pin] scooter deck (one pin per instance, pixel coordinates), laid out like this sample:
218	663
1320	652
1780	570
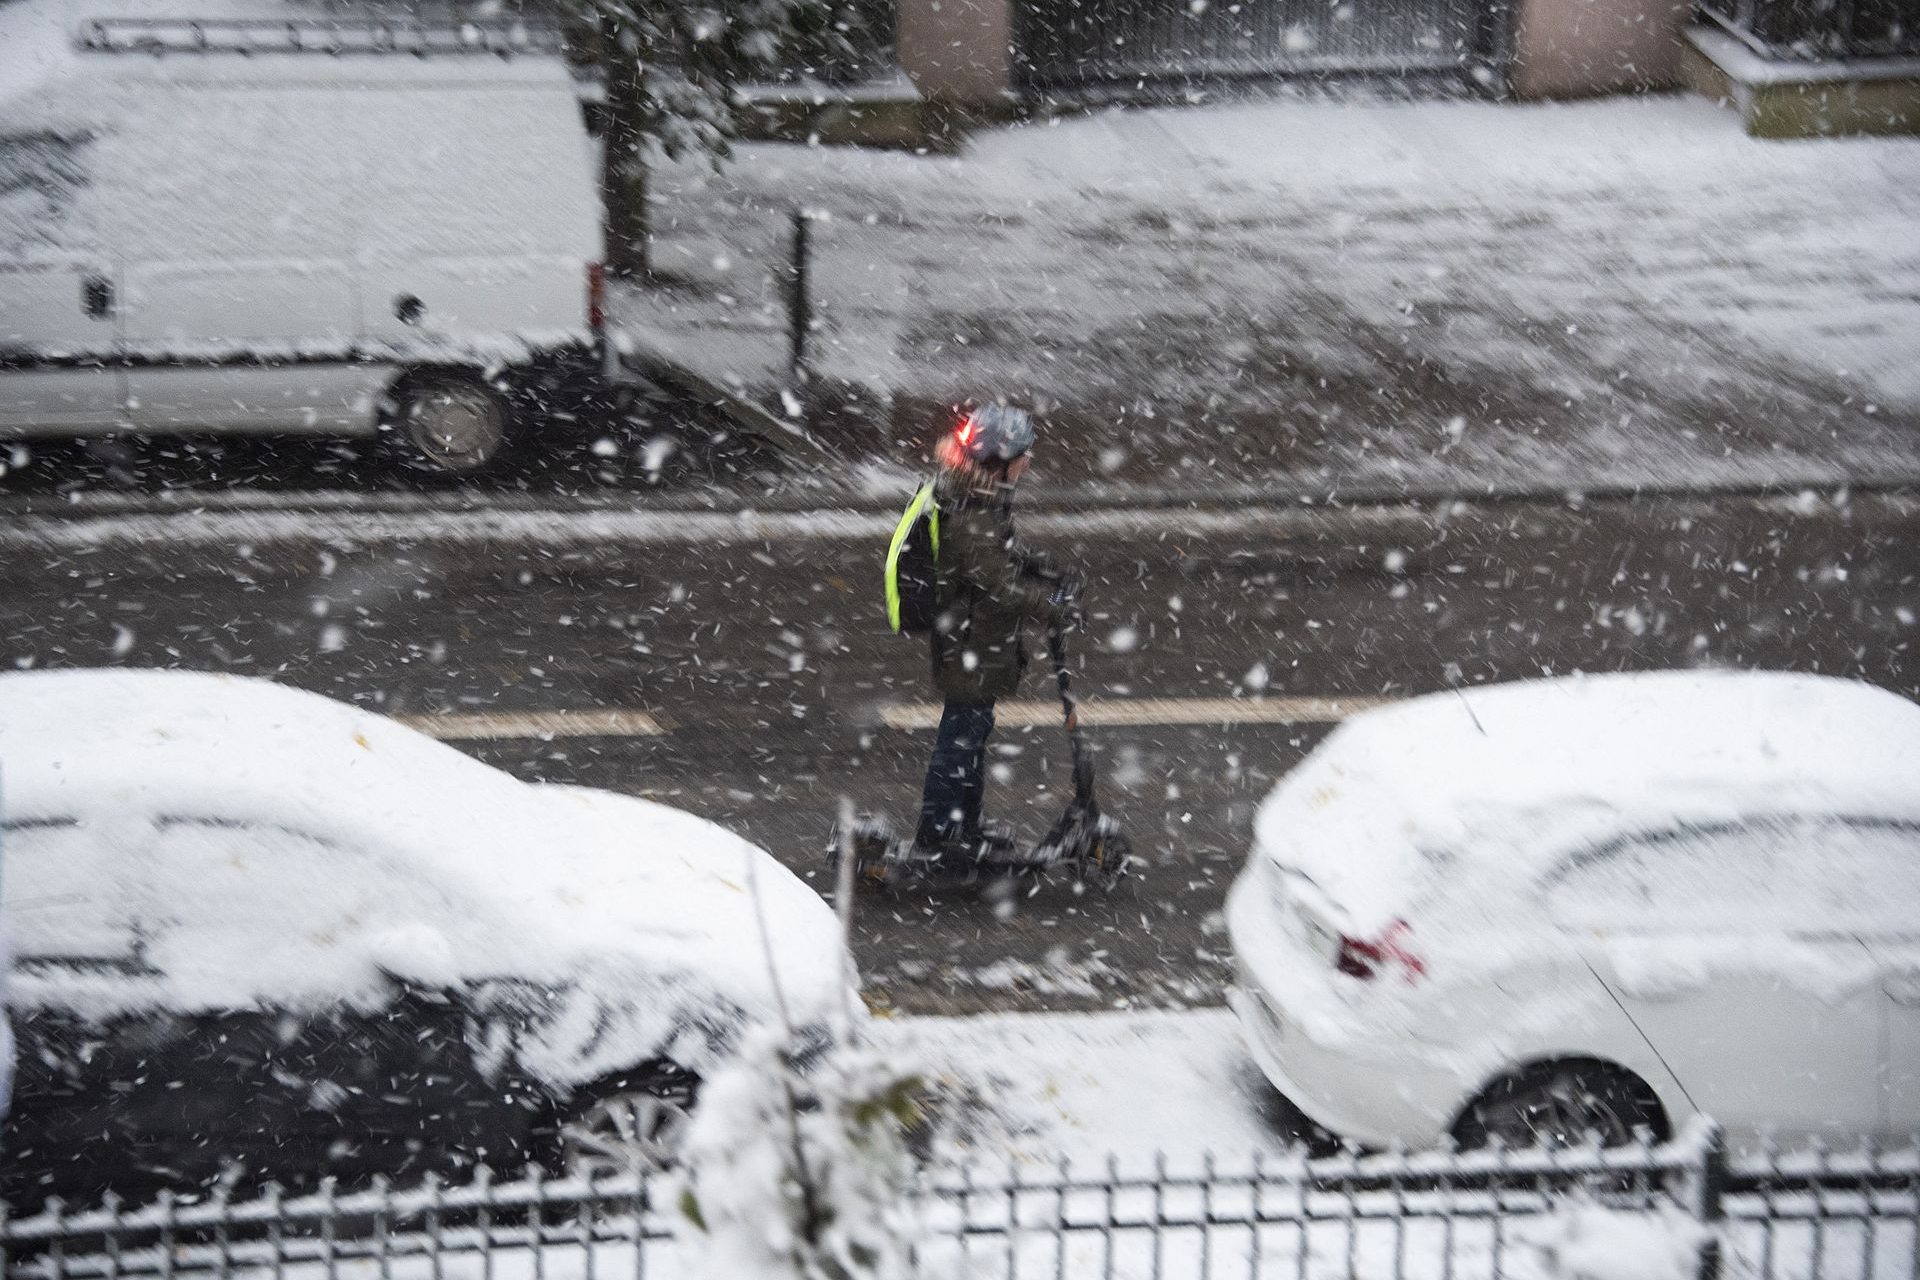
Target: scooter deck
1085	841
1089	845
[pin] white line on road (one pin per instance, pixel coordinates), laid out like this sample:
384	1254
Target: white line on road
617	722
1151	711
598	723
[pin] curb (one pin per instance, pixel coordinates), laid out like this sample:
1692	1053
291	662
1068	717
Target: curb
1037	501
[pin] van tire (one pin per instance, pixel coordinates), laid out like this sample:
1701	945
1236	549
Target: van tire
447	424
1559	1104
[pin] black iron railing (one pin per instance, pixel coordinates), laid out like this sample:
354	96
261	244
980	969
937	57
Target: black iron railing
1820	29
1067	44
1476	1216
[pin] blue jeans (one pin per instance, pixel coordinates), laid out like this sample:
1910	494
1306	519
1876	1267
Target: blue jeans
956	776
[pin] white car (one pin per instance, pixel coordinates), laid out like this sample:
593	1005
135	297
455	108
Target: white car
259	218
255	927
1565	907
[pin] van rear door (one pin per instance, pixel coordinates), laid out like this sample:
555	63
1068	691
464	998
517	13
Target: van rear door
59	305
482	208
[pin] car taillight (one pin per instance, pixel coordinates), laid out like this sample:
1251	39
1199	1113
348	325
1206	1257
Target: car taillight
1363	958
596	296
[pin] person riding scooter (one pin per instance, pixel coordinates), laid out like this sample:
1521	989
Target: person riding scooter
987	588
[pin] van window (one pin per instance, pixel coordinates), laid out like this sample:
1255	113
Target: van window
63	891
40	180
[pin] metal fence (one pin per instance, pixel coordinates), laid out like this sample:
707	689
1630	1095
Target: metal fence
1086	43
1684	1206
1820	29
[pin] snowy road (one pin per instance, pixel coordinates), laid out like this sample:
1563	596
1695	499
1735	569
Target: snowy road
748	677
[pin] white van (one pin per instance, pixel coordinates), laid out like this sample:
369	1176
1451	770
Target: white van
271	225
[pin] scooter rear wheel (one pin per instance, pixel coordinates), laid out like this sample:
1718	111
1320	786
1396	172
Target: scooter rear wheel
1105	864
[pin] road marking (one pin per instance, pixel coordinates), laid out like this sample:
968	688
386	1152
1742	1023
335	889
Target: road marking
619	722
598	723
1152	711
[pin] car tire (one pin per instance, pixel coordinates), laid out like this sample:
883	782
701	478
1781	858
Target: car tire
1562	1104
447	424
635	1122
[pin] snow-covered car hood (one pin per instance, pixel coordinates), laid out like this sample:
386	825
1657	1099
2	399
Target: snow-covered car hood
606	929
724	926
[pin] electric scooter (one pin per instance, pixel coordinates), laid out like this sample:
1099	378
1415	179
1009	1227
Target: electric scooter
1084	841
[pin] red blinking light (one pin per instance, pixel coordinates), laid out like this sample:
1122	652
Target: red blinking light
964	432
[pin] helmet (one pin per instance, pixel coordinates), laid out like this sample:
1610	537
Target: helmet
995	433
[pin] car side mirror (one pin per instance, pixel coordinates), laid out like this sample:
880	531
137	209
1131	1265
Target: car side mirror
415	956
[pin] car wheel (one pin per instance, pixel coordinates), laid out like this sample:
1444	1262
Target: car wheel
1561	1104
448	425
630	1126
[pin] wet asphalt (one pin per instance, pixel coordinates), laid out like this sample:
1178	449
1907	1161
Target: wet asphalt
767	671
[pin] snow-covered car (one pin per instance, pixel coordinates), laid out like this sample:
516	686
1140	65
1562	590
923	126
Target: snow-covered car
1566	907
255	928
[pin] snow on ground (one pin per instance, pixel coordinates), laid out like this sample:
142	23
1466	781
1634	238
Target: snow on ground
1041	1087
1380	293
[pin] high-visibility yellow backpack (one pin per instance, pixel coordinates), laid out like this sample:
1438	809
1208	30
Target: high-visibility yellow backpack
911	560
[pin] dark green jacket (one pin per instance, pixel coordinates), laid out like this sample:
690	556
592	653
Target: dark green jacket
988	585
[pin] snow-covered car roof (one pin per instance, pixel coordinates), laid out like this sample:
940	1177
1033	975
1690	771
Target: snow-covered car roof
644	912
1514	775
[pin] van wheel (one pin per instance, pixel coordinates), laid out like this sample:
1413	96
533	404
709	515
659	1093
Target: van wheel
1562	1104
448	424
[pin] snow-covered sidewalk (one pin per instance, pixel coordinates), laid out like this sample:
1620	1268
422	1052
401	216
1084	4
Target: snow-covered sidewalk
1345	295
1042	1087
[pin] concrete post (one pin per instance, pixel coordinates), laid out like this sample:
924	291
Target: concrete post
958	51
1575	48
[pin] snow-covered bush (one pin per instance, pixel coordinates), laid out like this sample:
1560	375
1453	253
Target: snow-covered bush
801	1176
1586	1241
